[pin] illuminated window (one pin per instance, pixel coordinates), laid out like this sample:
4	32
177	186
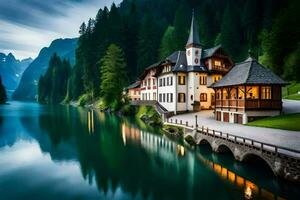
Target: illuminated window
203	97
181	80
181	97
266	92
218	63
202	80
252	92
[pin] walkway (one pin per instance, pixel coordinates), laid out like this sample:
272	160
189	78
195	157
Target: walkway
283	138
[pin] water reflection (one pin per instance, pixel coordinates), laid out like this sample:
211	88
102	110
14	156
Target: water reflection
250	189
87	154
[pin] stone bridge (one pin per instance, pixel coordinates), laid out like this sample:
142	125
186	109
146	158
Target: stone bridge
283	162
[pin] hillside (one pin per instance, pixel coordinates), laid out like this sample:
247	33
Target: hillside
12	69
27	89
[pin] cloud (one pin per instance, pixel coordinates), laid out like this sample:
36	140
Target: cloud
29	25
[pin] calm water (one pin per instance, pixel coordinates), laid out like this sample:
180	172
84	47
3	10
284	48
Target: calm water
62	152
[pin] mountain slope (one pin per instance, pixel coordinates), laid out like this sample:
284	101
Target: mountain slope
27	89
12	69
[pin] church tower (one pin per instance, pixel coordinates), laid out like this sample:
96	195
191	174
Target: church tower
193	46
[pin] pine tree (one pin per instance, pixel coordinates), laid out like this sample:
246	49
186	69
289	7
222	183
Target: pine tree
113	76
52	87
167	45
3	96
230	33
181	25
148	43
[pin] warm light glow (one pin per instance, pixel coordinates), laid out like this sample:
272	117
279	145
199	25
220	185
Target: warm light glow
248	193
180	150
252	92
218	63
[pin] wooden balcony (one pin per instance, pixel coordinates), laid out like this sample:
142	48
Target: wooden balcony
249	104
218	68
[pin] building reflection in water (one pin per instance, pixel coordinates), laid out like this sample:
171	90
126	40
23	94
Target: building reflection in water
250	189
90	120
168	149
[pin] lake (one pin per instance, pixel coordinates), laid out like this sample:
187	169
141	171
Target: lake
62	152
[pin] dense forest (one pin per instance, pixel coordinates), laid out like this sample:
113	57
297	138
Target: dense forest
52	87
149	30
3	96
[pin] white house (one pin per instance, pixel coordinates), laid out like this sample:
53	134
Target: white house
179	83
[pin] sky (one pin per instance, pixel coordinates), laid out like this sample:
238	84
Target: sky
26	26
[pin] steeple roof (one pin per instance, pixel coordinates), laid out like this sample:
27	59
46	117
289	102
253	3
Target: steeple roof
194	34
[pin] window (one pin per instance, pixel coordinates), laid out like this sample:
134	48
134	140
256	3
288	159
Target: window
252	92
160	98
171	97
218	63
181	80
167	97
160	82
164	82
154	81
181	97
192	97
149	81
266	92
203	80
164	97
167	80
171	80
203	97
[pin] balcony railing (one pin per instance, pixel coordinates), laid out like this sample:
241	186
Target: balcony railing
220	68
249	103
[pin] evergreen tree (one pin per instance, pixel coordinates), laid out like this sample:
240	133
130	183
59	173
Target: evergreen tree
148	43
3	96
167	45
113	76
230	33
52	87
181	25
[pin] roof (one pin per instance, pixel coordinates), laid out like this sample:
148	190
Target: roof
210	52
145	72
134	85
249	72
194	34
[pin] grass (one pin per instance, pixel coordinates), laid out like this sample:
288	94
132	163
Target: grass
286	122
291	91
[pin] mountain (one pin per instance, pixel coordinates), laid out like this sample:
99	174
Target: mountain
27	89
12	69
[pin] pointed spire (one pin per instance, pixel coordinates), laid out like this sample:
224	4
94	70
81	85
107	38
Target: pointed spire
194	34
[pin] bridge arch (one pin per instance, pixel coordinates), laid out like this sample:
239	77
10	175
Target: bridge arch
223	148
204	141
254	157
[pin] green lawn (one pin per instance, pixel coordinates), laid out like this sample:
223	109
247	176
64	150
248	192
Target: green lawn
286	122
291	91
293	97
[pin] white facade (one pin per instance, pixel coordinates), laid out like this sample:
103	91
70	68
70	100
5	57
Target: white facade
167	90
149	87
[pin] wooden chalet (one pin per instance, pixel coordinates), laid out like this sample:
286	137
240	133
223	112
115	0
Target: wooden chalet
247	91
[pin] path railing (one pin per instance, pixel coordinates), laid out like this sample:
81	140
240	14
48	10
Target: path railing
267	148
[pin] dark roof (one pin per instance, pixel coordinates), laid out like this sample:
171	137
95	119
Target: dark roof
145	72
249	72
178	58
180	63
134	85
210	52
194	34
